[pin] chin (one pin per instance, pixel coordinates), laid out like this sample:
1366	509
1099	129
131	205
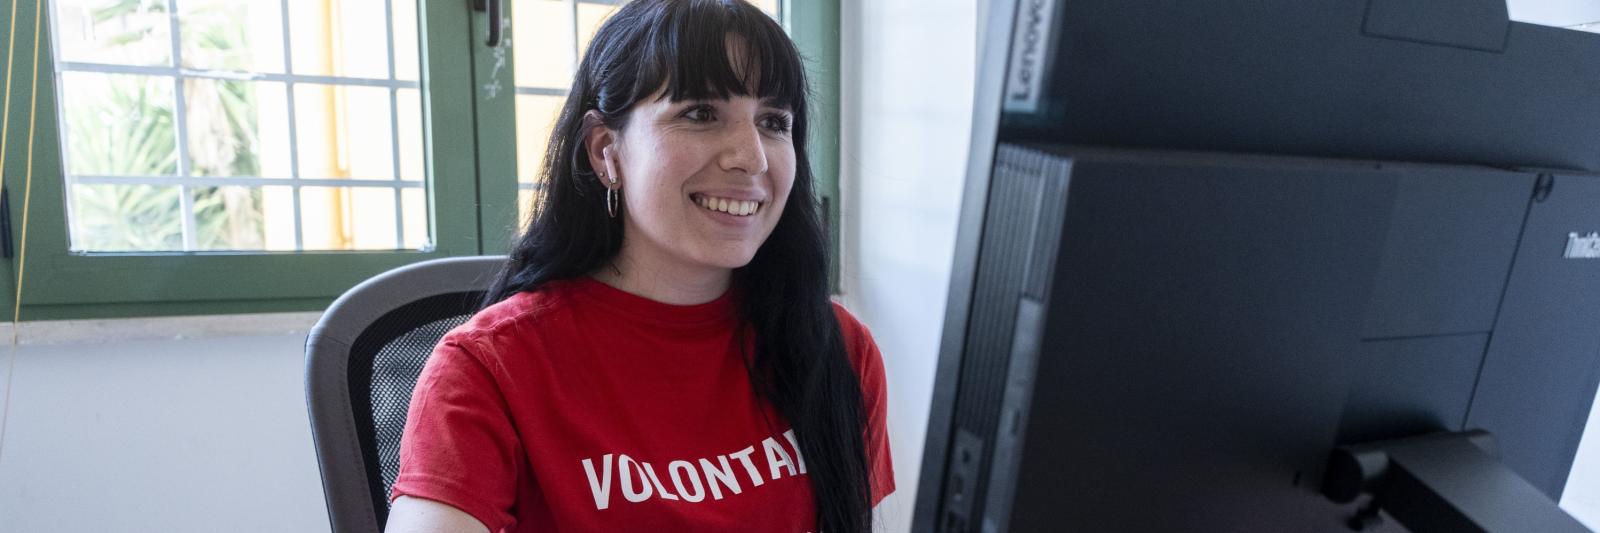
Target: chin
731	261
726	258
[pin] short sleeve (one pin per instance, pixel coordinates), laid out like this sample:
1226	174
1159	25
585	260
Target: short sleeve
459	446
868	363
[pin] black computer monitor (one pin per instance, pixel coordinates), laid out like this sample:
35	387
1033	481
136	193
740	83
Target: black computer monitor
1216	258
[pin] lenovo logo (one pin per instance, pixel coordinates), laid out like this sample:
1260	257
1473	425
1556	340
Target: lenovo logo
1030	46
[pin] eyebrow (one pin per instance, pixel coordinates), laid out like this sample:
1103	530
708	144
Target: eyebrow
769	102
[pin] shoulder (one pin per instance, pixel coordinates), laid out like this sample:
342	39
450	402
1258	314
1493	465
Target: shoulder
864	355
511	322
849	325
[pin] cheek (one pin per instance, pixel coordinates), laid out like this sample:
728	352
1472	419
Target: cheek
781	170
658	176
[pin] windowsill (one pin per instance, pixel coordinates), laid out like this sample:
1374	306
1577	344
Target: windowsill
103	331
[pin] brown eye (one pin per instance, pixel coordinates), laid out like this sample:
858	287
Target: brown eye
698	113
778	122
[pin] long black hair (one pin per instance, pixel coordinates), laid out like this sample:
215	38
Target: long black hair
799	363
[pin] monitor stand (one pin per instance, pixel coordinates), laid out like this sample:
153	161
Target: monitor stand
1441	482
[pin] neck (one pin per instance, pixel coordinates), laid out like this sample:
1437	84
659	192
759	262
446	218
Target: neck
664	281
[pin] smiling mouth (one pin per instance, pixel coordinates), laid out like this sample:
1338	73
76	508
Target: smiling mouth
738	208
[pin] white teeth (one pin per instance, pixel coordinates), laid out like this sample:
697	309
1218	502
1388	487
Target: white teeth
732	207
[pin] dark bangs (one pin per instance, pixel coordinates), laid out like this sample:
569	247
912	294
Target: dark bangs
688	51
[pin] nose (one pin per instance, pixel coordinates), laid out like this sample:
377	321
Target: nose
744	151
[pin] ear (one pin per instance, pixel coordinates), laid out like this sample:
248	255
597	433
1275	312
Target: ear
599	142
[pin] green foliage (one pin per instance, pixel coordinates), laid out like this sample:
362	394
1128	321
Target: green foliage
127	218
127	127
124	127
228	218
118	8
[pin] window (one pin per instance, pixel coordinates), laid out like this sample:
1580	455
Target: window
210	125
222	156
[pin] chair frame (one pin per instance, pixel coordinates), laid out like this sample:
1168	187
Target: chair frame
333	428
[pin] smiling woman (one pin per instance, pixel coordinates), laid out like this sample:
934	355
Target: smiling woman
666	307
550	38
697	172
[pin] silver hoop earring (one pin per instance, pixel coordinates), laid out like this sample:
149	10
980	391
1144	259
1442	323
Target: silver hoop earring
611	199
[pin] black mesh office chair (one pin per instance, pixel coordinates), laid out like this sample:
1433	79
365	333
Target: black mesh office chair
362	360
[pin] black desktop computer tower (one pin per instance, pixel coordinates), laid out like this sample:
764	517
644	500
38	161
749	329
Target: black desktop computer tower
1222	245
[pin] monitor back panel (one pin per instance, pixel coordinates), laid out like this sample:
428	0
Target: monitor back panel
1447	81
1170	342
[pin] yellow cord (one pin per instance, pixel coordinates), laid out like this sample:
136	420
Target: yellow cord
27	189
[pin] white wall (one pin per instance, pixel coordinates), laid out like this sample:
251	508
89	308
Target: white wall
1561	13
907	74
190	435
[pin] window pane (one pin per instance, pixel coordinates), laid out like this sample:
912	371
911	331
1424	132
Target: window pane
770	6
527	198
228	121
349	218
126	218
277	218
209	147
418	235
406	45
122	32
544	44
236	218
338	38
412	151
231	35
590	17
343	131
536	115
118	124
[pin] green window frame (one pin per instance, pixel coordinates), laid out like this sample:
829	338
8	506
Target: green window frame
471	172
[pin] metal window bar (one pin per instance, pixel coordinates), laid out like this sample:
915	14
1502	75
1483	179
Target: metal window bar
572	14
394	127
243	181
540	91
231	75
294	135
73	228
181	115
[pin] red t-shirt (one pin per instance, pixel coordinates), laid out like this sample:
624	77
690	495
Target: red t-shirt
581	407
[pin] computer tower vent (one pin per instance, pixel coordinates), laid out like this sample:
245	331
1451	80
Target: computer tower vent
1021	234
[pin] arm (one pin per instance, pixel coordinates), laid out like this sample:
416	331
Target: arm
419	515
868	363
459	452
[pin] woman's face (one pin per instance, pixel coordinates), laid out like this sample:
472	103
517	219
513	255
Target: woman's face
703	181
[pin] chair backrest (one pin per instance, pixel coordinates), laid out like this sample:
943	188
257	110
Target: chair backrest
362	361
